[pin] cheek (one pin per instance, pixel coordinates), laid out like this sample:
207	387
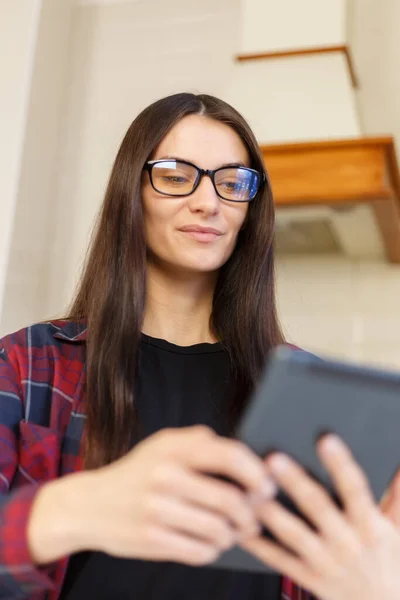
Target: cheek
237	218
155	230
153	210
159	217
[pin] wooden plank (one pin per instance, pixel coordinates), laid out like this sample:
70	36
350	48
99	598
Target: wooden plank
328	172
383	140
293	52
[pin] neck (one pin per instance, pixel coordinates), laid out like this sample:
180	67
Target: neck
178	307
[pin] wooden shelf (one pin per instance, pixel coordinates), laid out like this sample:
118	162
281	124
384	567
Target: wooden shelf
339	172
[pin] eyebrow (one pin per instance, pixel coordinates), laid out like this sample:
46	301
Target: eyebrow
230	164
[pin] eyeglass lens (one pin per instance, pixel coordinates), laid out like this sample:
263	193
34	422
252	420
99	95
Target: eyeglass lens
175	178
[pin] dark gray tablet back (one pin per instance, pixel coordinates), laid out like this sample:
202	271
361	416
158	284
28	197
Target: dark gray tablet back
299	398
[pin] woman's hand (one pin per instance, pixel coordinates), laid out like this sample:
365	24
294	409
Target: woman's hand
354	554
157	502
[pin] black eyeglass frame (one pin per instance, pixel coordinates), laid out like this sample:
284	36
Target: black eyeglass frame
148	166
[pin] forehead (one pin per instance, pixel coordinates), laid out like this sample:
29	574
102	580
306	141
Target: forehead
203	141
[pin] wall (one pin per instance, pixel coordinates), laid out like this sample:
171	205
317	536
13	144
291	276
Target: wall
121	55
35	171
296	99
18	32
342	308
124	56
269	25
375	44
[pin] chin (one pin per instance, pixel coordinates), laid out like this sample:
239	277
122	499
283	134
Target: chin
203	266
192	266
190	263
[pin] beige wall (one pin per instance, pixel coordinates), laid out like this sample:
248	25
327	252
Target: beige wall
296	99
19	22
270	25
121	55
301	97
33	178
342	308
375	43
375	299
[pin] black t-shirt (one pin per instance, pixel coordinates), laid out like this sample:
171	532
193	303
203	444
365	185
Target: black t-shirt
176	387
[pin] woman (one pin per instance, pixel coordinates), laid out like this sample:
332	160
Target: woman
114	420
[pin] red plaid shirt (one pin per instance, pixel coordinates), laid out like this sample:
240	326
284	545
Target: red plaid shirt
42	416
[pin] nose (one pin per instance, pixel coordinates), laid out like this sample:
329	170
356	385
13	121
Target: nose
205	199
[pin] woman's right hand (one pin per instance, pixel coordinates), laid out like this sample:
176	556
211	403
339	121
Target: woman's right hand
158	503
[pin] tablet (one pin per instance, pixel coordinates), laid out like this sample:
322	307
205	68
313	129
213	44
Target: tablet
299	398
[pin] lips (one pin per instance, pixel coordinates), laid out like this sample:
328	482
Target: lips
199	229
201	234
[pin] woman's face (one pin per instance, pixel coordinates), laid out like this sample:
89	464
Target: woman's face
207	144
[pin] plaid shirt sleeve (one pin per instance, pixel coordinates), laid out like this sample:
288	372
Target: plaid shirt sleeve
19	577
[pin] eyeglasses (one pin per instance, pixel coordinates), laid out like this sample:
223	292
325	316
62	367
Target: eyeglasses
172	177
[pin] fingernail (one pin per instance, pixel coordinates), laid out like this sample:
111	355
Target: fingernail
332	444
278	463
269	489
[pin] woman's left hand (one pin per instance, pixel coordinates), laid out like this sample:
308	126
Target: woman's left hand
354	553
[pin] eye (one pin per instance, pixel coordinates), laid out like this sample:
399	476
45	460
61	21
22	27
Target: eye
231	186
174	179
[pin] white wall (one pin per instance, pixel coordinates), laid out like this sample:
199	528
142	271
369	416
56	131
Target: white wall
120	56
124	56
300	97
297	98
27	271
270	25
342	308
375	44
19	21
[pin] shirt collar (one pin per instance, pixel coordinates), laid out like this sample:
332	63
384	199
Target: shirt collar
71	331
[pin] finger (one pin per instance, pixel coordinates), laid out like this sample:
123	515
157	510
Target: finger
222	498
162	544
191	520
351	484
282	561
387	500
210	453
390	503
314	502
298	537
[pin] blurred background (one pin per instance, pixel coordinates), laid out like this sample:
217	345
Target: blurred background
319	82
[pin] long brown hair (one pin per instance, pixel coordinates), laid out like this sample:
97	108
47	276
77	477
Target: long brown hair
112	291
